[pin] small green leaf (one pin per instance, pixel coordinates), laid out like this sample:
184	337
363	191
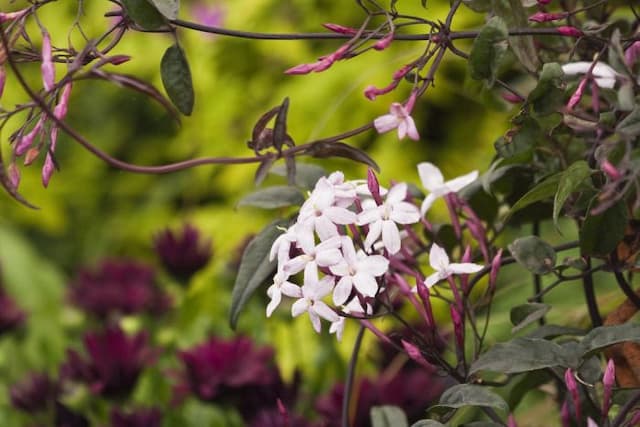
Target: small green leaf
630	126
548	95
176	78
388	416
534	254
543	190
515	16
488	50
526	314
143	14
522	355
471	395
273	197
604	336
570	181
255	268
480	6
554	331
593	239
168	8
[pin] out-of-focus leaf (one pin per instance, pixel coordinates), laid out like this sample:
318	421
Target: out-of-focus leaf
258	141
427	423
525	314
488	51
600	234
543	190
290	163
480	6
273	197
176	78
554	331
604	336
168	8
255	268
470	395
630	126
388	416
143	14
280	126
307	174
324	149
518	144
534	254
548	95
522	355
626	97
571	179
515	16
263	170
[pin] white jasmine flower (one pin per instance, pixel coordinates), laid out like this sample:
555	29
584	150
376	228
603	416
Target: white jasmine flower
439	261
603	74
353	307
433	181
399	118
280	286
310	300
325	254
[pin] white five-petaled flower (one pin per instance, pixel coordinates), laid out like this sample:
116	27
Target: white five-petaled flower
399	118
353	307
603	74
433	181
325	254
382	219
299	234
281	285
310	300
439	261
359	270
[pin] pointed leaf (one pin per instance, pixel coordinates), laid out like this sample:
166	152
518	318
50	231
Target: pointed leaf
176	78
388	416
548	95
488	50
630	125
570	181
257	142
280	126
554	331
542	191
168	8
273	197
604	336
515	16
324	149
471	395
255	268
522	355
143	14
525	314
534	254
593	241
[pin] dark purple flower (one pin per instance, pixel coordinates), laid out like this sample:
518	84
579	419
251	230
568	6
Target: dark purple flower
182	253
114	362
67	418
35	393
118	287
11	316
147	417
275	418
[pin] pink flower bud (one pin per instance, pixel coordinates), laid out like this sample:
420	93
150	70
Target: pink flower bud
47	68
496	263
47	170
569	31
411	102
577	95
458	330
32	154
12	16
572	387
423	292
632	53
374	186
60	110
544	2
384	42
117	59
14	175
3	79
301	69
323	64
611	171
511	421
371	92
565	414
608	381
547	17
403	72
414	353
511	97
25	142
340	29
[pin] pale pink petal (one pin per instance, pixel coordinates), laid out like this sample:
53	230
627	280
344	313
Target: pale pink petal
299	307
402	129
368	216
460	182
397	193
375	229
365	284
405	213
324	311
386	123
315	321
322	288
427	202
291	290
412	131
464	268
438	258
276	297
398	110
340	269
432	280
296	265
328	257
375	265
337	328
325	228
349	251
430	176
342	290
340	215
391	237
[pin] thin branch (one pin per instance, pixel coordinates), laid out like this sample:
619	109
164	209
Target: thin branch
351	374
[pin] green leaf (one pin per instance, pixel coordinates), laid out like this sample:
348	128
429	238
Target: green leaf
273	197
471	395
427	423
534	254
325	149
521	355
525	314
630	126
488	51
176	78
280	126
593	241
543	190
570	181
388	416
553	331
604	336
479	6
255	268
548	95
143	14
515	16
168	8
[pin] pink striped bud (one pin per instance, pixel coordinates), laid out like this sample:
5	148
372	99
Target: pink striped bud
565	414
47	68
3	79
547	17
511	97
411	102
608	381
117	59
25	142
340	29
374	186
12	16
611	171
414	354
511	421
458	332
577	95
632	53
403	72
384	42
371	92
496	263
301	69
60	110
47	170
423	292
14	175
572	387
569	31
32	154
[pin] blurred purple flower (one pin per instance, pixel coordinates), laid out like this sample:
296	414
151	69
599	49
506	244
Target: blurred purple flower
114	362
275	418
35	393
147	417
182	253
118	287
11	316
211	15
67	418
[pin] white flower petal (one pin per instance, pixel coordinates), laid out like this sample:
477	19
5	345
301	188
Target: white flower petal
375	229
337	328
405	213
368	216
276	297
460	182
299	307
464	268
386	123
325	228
342	290
430	176
396	194
374	265
340	269
391	237
365	284
427	202
438	258
328	257
412	131
340	215
432	280
315	321
291	290
324	311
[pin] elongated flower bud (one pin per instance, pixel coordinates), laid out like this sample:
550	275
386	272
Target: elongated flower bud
47	170
340	29
14	175
384	42
374	186
608	381
547	17
569	31
12	16
577	95
47	68
572	387
414	353
495	269
3	79
32	154
60	110
25	142
611	171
